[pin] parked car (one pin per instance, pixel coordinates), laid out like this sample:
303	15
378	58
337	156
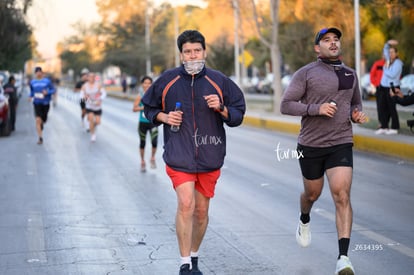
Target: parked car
5	125
407	84
367	88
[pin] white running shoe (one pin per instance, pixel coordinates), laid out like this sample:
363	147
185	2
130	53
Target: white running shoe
391	132
93	137
381	131
344	266
303	234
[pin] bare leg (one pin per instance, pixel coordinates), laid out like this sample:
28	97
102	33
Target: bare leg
340	181
39	123
200	220
312	191
184	216
91	118
142	154
153	151
97	120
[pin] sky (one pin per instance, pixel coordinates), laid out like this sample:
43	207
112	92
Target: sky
52	19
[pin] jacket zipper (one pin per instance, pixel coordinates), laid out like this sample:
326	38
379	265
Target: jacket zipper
193	109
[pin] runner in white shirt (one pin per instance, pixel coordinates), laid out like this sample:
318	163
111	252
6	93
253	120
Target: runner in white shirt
93	94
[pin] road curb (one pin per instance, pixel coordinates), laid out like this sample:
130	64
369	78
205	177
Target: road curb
362	142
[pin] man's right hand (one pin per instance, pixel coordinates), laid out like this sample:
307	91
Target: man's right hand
327	109
397	93
175	118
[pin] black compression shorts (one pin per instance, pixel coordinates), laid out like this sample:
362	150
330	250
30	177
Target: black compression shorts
96	112
316	161
41	111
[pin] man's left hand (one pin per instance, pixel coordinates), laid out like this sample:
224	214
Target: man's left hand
213	101
358	116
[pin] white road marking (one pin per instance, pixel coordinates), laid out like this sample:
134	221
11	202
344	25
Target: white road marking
35	239
371	235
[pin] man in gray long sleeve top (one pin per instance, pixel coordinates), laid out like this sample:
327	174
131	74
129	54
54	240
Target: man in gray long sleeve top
326	94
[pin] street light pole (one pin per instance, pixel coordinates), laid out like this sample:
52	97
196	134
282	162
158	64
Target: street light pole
236	41
176	30
147	39
357	40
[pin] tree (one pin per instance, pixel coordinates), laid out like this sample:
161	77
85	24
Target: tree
75	60
273	45
16	42
389	19
82	50
221	56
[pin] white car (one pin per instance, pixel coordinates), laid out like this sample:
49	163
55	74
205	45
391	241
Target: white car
407	84
367	88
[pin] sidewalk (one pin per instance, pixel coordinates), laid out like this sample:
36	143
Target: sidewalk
399	146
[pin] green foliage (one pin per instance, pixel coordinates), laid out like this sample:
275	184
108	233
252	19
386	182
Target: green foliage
388	19
75	60
15	37
221	55
294	41
125	45
123	32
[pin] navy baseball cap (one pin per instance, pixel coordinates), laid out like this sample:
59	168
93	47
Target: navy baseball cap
324	31
38	69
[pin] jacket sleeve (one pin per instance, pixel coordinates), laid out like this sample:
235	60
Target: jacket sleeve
356	101
152	101
235	103
291	100
405	101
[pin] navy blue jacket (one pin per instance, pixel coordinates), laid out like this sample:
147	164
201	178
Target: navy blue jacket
200	144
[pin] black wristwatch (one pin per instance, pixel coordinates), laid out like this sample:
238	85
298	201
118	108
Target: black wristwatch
221	109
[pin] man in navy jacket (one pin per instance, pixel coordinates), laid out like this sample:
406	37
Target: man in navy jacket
194	154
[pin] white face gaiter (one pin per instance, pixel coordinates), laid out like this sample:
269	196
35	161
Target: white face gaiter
194	66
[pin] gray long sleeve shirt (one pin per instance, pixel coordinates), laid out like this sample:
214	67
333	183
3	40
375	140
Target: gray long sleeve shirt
310	87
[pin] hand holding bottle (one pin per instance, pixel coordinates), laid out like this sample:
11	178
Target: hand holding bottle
175	118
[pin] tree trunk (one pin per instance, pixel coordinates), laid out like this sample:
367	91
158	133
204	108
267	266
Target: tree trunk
275	55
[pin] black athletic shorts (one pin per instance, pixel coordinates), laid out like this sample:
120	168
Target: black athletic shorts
96	112
41	111
315	161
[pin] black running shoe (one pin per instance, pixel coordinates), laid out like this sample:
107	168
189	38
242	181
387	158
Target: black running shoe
195	270
185	270
40	141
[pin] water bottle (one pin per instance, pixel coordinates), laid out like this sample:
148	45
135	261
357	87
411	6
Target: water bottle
392	87
177	108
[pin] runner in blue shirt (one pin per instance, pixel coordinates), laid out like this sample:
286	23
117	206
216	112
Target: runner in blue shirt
41	90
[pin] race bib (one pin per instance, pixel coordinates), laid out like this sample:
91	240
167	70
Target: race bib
39	95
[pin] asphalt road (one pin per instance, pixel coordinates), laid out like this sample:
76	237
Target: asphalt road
71	206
